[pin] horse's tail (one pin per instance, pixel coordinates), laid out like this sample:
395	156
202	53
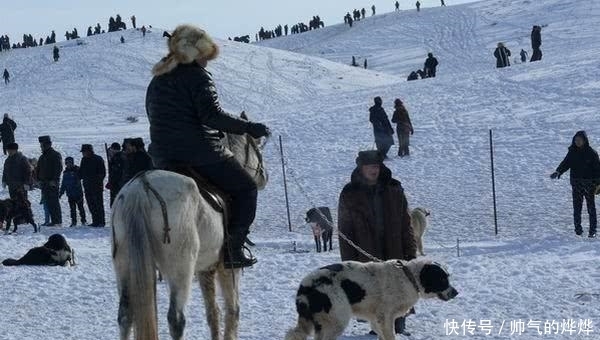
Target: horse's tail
141	281
11	262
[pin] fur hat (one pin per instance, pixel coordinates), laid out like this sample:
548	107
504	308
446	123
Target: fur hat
185	45
44	140
12	146
397	102
368	158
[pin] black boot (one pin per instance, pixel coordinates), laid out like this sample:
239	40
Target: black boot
234	256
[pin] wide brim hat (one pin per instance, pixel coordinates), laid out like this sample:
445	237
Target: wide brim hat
44	139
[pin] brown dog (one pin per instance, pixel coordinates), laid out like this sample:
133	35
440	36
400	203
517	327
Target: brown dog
17	212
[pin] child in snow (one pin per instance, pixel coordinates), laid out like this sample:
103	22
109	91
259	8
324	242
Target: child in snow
71	184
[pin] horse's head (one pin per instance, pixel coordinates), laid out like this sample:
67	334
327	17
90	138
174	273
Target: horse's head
248	152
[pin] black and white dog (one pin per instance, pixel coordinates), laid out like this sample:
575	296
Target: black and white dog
322	227
17	212
55	252
379	292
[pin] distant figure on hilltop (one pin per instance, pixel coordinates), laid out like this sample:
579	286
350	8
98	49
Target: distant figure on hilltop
363	12
382	128
122	40
431	64
354	61
133	21
372	9
55	53
443	3
536	43
6	77
523	56
144	31
397	6
365	64
502	55
418	4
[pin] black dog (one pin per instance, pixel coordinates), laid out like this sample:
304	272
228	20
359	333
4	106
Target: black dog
17	212
55	252
322	227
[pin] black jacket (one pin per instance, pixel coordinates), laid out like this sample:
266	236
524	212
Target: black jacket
502	55
536	39
17	171
186	118
382	128
116	167
49	166
583	162
431	63
7	131
136	162
92	170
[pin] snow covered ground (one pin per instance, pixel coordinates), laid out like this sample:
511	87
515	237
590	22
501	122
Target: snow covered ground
531	271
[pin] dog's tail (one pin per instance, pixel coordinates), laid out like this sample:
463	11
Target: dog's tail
305	326
11	262
301	331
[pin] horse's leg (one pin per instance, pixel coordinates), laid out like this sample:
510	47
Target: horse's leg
229	281
207	284
180	287
125	318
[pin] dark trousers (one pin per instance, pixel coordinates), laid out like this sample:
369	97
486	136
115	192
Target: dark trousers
580	193
50	196
17	193
430	72
403	143
95	201
74	204
537	55
383	148
230	177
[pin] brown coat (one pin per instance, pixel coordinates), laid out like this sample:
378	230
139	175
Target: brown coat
402	120
356	219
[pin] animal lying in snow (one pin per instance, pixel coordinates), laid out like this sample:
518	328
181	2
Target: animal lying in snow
55	252
379	292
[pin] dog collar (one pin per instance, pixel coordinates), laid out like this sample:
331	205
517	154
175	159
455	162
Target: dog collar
410	276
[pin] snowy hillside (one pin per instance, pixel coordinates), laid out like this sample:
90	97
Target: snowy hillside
531	271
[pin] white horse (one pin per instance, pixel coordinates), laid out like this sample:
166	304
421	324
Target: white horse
161	221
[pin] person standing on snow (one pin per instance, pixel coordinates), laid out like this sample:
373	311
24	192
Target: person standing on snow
523	56
431	64
6	77
397	6
418	4
502	55
382	128
7	131
584	164
536	43
404	127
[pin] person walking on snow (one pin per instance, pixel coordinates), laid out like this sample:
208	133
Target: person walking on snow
418	4
7	132
373	9
6	77
443	3
536	43
584	164
404	127
431	64
382	129
523	56
397	6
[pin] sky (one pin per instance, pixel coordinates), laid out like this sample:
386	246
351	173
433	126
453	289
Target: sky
221	18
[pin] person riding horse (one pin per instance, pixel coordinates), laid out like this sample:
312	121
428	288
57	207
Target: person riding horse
186	128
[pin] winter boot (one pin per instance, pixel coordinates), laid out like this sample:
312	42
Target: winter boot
234	256
578	230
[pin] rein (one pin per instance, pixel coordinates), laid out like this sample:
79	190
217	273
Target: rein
163	207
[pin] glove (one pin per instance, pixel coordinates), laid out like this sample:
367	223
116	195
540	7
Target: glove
555	175
257	130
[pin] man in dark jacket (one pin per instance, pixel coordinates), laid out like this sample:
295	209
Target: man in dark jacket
7	131
137	159
404	127
502	55
93	171
536	43
71	184
373	213
584	164
186	127
6	77
56	53
48	173
116	160
17	172
382	129
431	64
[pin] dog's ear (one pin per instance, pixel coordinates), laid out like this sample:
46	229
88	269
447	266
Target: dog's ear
434	278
